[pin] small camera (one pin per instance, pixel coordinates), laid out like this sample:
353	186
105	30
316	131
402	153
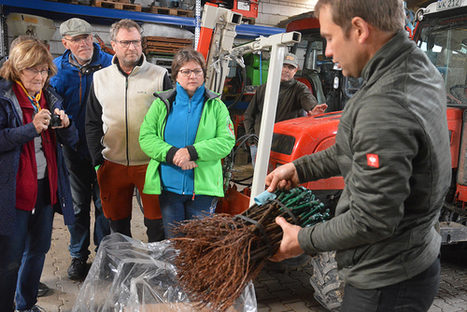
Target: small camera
55	120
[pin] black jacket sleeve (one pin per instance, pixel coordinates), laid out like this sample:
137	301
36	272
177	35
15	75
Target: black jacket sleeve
167	82
94	132
305	97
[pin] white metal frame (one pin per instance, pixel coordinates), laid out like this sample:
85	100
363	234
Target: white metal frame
278	44
221	53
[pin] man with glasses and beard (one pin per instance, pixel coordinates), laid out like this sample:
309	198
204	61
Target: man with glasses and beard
73	81
120	98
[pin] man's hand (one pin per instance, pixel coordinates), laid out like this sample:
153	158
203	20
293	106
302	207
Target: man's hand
289	247
181	156
283	177
318	109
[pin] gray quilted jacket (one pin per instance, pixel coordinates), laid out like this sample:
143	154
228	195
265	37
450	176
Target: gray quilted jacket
392	148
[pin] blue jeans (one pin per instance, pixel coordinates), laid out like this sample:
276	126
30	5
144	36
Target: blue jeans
413	295
84	187
22	254
176	208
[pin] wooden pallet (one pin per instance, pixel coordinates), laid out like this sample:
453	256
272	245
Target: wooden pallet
169	11
162	50
117	5
166	45
157	39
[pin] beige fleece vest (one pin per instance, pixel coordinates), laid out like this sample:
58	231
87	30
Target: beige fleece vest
125	101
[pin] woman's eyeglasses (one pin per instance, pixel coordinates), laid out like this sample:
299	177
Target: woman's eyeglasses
187	72
34	72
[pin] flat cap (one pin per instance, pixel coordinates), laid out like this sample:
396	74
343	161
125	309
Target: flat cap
75	27
291	59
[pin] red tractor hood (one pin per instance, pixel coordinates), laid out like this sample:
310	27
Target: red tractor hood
294	138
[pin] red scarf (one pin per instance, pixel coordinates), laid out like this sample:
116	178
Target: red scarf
26	178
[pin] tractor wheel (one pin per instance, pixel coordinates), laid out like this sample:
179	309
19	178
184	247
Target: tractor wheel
329	289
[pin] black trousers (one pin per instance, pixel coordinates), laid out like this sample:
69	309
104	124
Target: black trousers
413	295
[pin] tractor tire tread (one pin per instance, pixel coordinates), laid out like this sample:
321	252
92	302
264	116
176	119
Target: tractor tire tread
325	281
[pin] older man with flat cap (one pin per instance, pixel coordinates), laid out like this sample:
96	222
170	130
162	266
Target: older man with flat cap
73	81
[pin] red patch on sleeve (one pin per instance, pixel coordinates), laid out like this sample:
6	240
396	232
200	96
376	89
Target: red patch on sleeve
372	160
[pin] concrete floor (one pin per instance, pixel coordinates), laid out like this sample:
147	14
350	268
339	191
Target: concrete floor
275	291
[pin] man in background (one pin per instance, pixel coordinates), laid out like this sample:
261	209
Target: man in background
295	100
73	81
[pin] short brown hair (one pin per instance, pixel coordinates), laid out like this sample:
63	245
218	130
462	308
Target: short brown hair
184	56
386	15
124	23
27	54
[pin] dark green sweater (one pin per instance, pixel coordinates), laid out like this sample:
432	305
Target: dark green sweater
383	230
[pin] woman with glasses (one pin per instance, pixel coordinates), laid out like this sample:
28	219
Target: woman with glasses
186	133
33	177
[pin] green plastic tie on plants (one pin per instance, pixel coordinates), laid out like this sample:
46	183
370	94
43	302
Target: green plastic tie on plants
290	195
309	213
295	199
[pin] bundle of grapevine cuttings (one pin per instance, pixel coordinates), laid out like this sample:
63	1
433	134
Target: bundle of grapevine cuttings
218	255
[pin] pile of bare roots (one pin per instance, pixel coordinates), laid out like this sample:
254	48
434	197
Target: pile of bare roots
218	255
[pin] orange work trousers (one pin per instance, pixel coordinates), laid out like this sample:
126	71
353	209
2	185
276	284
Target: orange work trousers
117	183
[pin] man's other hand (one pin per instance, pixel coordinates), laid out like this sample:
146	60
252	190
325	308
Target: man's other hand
289	246
283	177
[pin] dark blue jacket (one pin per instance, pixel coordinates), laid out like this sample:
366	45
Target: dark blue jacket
73	86
13	134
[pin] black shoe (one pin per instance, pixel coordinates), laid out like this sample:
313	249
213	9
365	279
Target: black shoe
155	230
77	269
42	290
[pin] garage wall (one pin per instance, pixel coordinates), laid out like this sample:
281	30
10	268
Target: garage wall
271	12
56	47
